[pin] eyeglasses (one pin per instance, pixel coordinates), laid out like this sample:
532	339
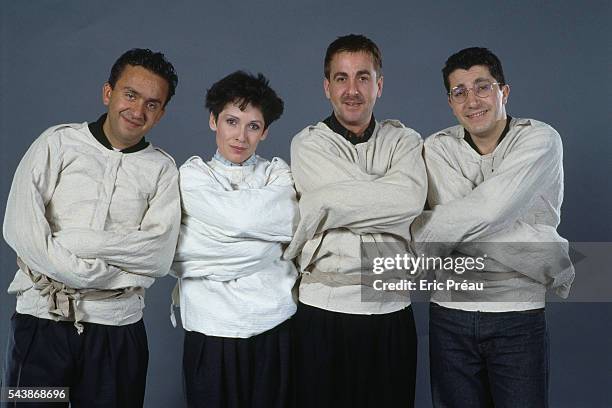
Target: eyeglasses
459	94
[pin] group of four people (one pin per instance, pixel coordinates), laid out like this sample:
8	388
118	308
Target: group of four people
96	213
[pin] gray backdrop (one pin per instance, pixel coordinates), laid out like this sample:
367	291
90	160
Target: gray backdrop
55	56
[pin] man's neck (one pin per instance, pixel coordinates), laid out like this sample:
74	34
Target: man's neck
97	130
109	135
335	125
486	143
358	131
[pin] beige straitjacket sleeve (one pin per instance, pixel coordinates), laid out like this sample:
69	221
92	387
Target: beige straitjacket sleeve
500	200
536	251
27	230
337	193
147	251
229	233
264	212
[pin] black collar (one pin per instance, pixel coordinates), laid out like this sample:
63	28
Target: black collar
97	130
470	141
337	127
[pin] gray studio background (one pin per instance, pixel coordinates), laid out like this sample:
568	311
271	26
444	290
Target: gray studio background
55	56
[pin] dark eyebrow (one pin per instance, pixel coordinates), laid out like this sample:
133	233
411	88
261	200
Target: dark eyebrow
364	72
127	88
337	74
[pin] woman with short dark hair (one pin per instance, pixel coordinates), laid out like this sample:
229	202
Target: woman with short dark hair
235	289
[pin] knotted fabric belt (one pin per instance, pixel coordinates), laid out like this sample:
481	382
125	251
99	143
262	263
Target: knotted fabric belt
62	301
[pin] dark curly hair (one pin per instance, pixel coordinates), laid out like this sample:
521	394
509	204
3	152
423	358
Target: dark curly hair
467	58
353	43
155	62
242	89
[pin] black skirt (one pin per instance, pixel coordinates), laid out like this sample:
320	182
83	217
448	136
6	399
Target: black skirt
350	360
238	373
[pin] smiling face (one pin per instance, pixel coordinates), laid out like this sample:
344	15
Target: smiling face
238	132
484	118
352	89
135	104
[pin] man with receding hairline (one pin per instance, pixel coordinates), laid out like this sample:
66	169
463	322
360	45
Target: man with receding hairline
360	181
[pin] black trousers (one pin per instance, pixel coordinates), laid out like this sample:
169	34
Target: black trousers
350	360
105	366
222	372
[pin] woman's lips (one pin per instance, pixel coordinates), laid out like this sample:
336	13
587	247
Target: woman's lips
238	149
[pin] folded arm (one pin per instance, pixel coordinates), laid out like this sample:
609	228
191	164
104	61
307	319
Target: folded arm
28	232
536	251
147	251
228	234
495	203
198	257
268	212
336	193
387	204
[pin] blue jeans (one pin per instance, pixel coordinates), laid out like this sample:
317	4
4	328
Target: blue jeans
481	359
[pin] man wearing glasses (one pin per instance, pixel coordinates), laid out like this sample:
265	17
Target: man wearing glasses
494	182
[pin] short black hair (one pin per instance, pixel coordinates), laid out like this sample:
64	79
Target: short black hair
155	62
467	58
243	88
353	43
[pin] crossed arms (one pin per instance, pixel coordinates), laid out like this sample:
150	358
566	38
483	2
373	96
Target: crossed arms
491	217
337	193
83	258
228	234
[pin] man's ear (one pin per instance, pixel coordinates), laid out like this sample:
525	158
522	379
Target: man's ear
505	93
379	83
326	88
107	89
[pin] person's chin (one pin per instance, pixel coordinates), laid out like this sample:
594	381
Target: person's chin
353	118
353	111
131	131
235	158
478	130
477	123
